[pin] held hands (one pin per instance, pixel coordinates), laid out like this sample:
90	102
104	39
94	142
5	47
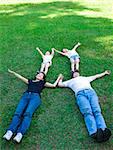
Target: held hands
107	72
53	49
60	76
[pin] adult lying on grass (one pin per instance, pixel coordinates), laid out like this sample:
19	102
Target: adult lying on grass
29	102
87	101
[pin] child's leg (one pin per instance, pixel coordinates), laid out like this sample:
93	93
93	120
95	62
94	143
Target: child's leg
42	67
77	64
46	68
72	64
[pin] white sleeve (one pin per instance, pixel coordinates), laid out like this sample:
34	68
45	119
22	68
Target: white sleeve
91	78
66	83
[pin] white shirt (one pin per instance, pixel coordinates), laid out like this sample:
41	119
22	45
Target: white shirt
79	83
47	59
71	53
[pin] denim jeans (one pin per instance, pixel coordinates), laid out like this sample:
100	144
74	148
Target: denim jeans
24	111
87	101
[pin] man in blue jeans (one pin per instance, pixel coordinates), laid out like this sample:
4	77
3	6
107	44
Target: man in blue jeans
87	100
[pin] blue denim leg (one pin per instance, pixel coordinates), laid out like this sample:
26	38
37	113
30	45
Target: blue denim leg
96	110
18	113
34	102
85	108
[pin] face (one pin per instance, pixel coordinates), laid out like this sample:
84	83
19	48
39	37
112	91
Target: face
40	76
65	50
47	53
76	74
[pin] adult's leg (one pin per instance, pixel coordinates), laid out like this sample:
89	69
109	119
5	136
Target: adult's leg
18	113
85	109
34	102
97	110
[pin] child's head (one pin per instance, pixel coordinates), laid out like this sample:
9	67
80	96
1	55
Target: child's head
65	50
47	53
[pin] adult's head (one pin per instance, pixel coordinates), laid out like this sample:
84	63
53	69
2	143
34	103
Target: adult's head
65	50
75	74
40	76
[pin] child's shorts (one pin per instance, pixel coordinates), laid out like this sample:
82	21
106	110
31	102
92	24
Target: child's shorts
74	57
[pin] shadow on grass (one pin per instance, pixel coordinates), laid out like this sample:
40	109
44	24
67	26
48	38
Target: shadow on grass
57	24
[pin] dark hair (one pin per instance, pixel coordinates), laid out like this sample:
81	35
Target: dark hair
72	72
44	78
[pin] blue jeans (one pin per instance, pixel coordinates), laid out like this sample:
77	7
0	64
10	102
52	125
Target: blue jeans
87	101
24	111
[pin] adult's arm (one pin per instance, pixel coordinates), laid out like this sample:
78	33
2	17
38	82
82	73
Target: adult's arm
76	46
50	85
63	84
97	76
40	51
18	76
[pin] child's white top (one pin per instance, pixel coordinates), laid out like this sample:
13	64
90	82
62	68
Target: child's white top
71	53
47	59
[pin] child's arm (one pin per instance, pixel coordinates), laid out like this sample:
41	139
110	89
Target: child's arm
76	46
53	52
19	76
50	85
59	52
40	51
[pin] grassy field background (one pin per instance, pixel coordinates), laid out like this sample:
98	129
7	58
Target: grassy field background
57	124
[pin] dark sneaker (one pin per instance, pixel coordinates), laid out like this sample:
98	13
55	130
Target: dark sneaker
94	135
107	134
100	135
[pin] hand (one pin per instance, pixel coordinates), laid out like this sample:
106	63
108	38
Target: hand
37	48
61	76
107	72
10	71
79	44
53	49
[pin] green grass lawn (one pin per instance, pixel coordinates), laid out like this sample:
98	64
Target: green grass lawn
57	124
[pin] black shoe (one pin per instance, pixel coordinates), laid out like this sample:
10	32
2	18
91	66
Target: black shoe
72	74
94	135
100	136
107	134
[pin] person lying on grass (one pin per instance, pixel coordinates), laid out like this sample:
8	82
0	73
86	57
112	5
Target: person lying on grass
47	60
73	56
29	102
88	104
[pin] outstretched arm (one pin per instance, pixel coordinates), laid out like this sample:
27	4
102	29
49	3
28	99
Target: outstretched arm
91	78
60	83
50	85
52	53
76	46
59	52
40	51
19	76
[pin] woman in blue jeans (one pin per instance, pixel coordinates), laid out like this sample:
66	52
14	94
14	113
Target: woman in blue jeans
29	102
87	101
